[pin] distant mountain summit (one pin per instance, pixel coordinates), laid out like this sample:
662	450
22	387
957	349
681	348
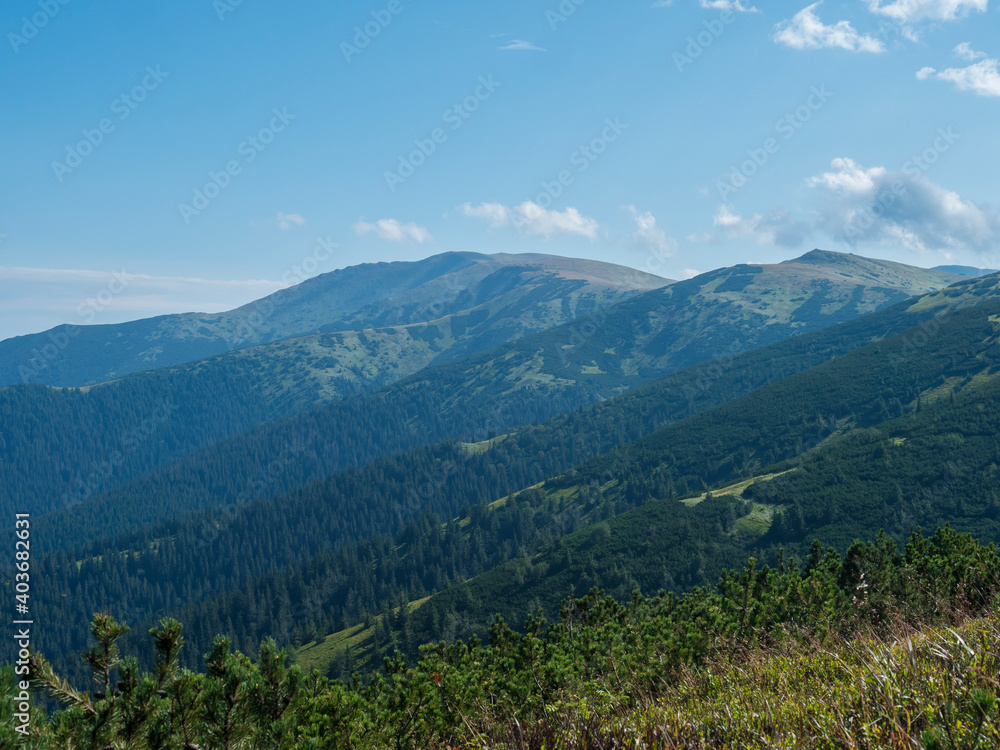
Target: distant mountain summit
539	290
885	272
768	302
966	270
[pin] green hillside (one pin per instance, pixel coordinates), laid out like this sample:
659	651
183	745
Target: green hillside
715	315
300	372
886	421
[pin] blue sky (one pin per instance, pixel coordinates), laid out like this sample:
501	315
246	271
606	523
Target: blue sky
674	137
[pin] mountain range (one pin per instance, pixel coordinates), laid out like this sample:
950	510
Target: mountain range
652	441
472	297
237	412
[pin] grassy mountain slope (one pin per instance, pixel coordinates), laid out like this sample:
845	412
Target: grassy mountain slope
927	468
716	314
304	371
535	377
371	295
206	554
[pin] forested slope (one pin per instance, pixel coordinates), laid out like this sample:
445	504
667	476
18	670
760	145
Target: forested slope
523	382
179	565
938	464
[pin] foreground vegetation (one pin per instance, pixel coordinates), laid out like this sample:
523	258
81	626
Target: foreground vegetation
935	689
872	649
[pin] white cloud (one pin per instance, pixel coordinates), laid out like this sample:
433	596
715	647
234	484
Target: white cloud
650	236
287	221
690	273
981	78
902	208
776	228
394	231
859	205
703	238
909	12
848	177
496	214
965	51
520	44
725	218
731	5
806	31
530	218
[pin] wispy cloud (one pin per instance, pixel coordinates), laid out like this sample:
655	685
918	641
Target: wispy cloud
530	218
909	12
805	30
25	273
496	214
394	231
981	78
736	6
778	227
520	44
649	235
287	221
965	51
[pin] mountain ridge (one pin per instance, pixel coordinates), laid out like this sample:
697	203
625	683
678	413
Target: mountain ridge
966	270
366	296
